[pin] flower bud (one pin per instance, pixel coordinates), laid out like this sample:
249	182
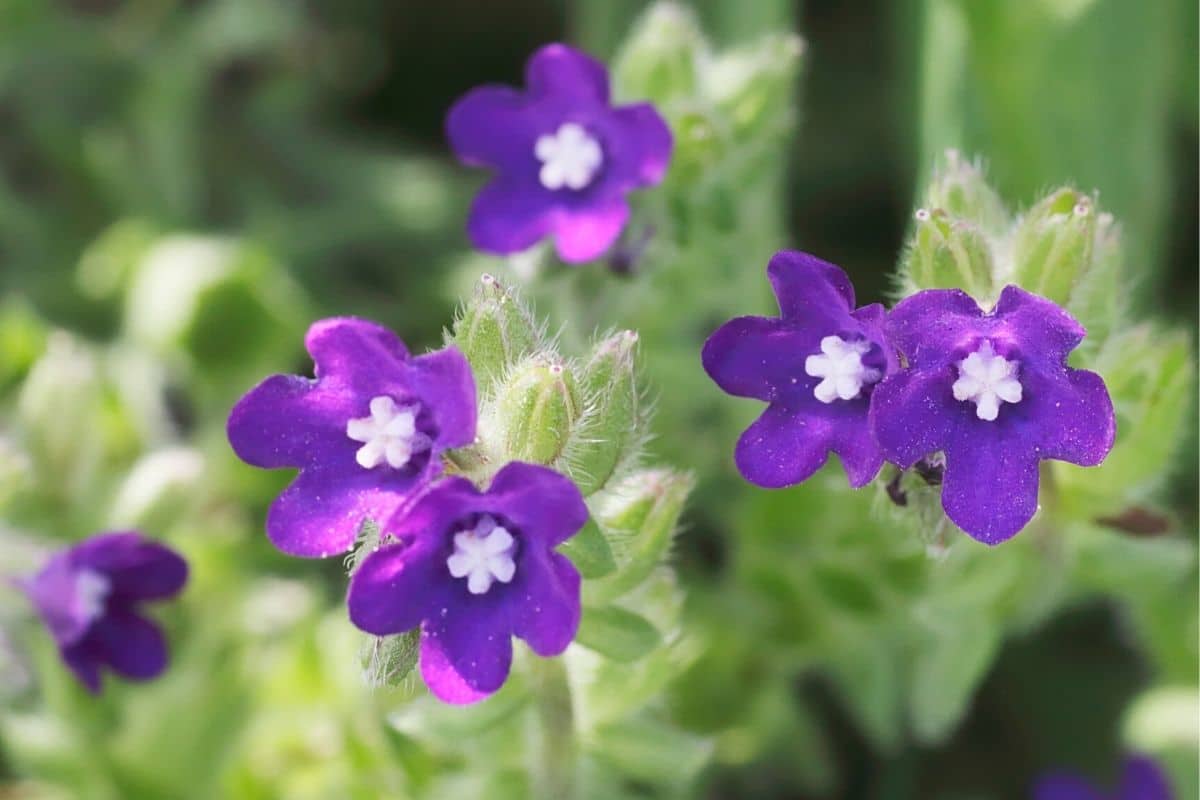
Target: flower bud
1052	245
494	332
958	187
661	58
57	411
157	489
1098	301
949	253
536	410
639	517
610	428
753	85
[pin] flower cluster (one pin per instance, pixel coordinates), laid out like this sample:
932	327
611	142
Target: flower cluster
89	595
470	568
989	389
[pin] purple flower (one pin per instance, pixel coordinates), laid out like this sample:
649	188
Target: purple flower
816	365
992	390
473	569
1141	780
564	157
367	433
88	595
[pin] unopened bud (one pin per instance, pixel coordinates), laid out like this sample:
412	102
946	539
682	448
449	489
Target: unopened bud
753	85
949	253
661	58
959	188
639	517
610	428
494	332
536	410
1052	245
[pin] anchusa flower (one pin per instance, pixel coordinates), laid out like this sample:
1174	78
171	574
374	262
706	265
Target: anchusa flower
1141	779
473	569
89	596
816	365
564	157
367	433
993	392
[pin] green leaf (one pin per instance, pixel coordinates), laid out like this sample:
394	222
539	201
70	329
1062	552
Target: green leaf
617	633
589	552
947	670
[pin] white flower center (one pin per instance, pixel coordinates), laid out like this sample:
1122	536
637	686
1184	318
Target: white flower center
986	379
91	590
569	157
482	555
840	365
389	434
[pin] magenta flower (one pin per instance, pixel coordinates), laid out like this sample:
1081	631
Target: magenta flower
89	596
473	569
564	157
1141	779
816	366
367	434
992	390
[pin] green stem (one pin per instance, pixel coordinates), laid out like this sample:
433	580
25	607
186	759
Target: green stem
554	773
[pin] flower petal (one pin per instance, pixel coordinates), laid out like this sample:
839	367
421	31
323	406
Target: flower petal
587	231
286	420
510	214
358	352
787	444
466	649
756	356
398	586
1143	779
491	126
564	72
84	660
548	609
1065	787
809	288
639	144
445	384
914	413
545	505
990	487
931	325
132	645
319	514
1074	415
1039	322
139	569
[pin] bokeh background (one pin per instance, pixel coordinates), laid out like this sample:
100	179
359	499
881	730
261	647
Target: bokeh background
185	184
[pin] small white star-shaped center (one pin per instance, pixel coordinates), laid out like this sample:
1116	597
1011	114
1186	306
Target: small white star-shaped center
569	156
840	366
390	434
987	379
483	555
91	590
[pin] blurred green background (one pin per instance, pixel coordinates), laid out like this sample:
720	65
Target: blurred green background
185	184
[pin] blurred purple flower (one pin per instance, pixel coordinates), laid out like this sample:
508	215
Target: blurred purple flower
366	434
88	596
473	569
816	365
564	157
1141	779
992	390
